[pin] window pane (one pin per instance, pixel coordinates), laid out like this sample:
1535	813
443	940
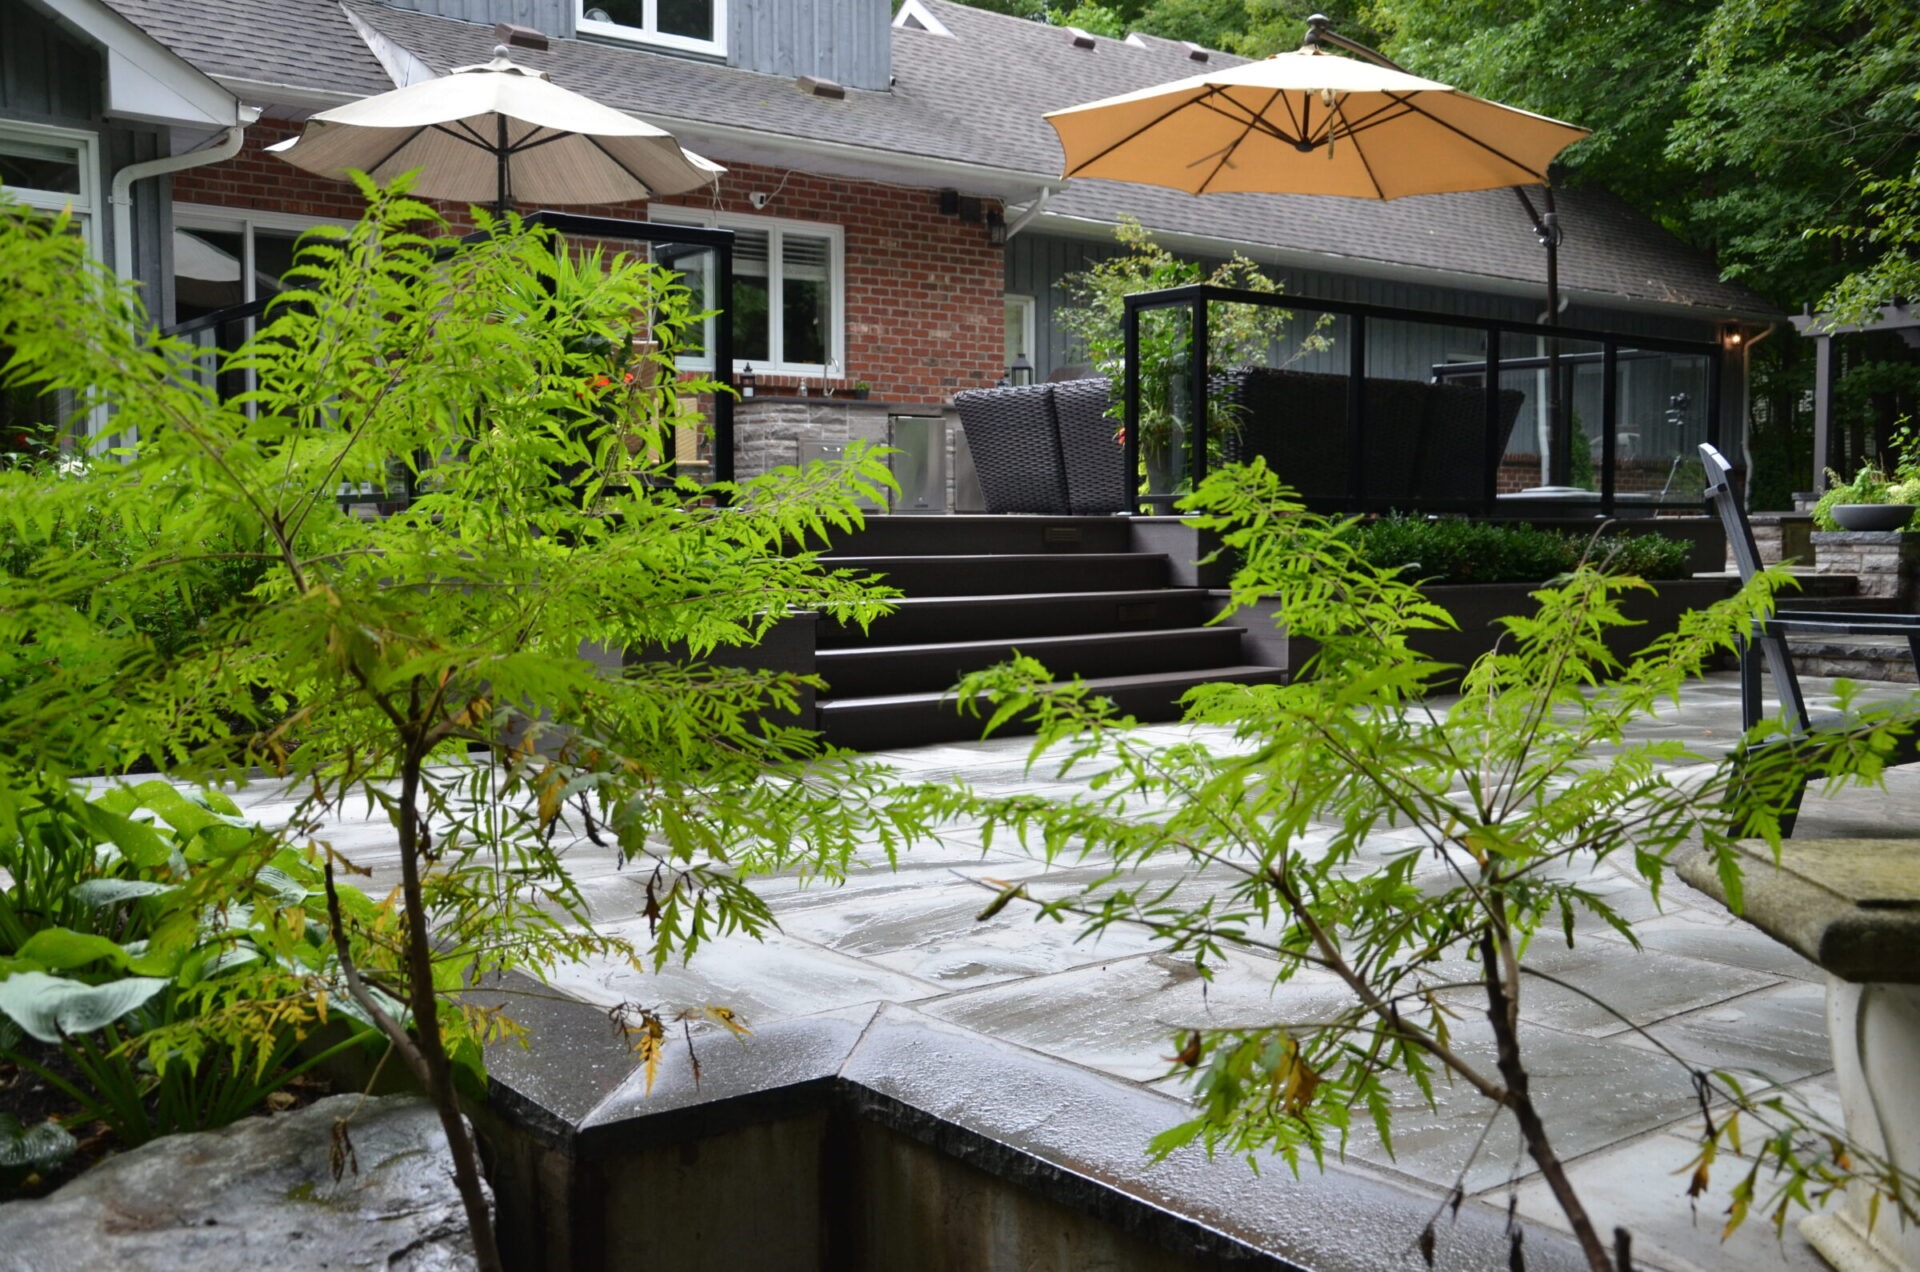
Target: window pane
750	299
623	12
807	309
206	272
34	165
692	18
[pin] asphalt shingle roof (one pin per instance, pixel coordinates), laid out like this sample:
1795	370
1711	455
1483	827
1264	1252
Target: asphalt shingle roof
306	44
976	98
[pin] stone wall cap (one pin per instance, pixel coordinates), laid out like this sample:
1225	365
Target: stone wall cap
1850	905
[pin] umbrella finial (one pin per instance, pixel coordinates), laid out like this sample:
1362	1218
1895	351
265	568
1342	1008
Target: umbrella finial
1317	26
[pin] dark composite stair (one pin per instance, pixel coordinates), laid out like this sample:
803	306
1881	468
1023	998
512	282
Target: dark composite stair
977	590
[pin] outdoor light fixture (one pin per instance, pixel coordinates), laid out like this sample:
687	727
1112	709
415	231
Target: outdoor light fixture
746	380
1733	335
1021	372
996	229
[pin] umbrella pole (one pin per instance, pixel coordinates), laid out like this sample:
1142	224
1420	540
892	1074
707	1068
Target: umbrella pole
500	160
1546	227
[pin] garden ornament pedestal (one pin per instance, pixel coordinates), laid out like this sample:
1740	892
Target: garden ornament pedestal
1853	906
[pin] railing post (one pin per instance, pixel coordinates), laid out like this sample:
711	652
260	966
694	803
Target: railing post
1357	410
1490	445
1130	395
1197	364
723	368
1609	424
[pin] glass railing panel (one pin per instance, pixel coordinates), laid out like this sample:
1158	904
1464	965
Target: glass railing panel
1663	417
1278	391
1555	388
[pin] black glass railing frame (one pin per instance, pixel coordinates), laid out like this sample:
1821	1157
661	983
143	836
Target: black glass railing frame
1196	297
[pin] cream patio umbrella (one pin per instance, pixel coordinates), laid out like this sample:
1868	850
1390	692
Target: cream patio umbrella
499	132
1312	122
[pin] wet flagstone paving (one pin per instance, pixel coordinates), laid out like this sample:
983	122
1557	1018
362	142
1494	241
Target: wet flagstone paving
1705	986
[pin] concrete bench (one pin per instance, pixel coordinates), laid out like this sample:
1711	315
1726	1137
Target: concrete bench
1853	907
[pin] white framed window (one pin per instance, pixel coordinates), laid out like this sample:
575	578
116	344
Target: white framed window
1020	333
788	301
54	169
228	256
697	26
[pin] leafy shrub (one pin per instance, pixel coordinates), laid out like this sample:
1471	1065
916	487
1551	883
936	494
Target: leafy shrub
1874	483
1452	550
166	958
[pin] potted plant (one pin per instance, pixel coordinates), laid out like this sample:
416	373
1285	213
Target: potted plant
861	390
1237	335
1875	498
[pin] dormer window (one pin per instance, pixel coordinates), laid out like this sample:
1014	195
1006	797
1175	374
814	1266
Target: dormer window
698	26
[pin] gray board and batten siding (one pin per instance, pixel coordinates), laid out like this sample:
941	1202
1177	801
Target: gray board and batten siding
49	76
552	18
847	41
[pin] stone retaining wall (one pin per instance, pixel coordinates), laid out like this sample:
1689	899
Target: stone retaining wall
1885	561
769	432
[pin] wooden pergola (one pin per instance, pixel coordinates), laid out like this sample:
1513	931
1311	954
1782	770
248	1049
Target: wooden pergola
1902	317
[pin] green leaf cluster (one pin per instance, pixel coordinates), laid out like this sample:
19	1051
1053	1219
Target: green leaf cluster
1455	550
174	953
1238	335
1401	856
429	666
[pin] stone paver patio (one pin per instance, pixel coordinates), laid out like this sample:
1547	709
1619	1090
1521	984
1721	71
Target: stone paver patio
1707	986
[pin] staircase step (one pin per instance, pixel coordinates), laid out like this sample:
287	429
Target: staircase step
1798	602
926	620
997	533
868	670
1000	573
884	722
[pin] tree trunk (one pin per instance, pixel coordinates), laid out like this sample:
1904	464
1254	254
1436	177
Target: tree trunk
424	1004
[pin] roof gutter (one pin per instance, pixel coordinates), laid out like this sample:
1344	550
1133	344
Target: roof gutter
864	162
121	195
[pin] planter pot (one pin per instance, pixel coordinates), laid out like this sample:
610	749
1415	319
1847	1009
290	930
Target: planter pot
1873	516
1478	607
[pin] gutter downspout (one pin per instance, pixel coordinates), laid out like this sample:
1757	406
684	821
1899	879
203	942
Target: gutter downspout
1032	210
121	195
1746	404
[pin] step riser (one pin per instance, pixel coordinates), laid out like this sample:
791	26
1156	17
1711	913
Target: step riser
1014	617
866	727
1003	575
939	536
856	672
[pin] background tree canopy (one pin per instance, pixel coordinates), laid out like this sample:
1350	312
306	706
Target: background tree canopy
1737	124
1745	127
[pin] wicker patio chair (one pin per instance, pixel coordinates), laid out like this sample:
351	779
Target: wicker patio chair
1296	421
1095	464
1016	448
1452	459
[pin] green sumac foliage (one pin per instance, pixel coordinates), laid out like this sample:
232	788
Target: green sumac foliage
373	657
1407	855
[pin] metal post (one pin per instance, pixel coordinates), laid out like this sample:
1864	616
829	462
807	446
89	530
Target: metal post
1609	423
1822	410
1357	410
1130	335
1490	446
1197	364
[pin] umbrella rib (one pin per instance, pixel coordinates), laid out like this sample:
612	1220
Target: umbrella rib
463	131
615	160
1226	152
523	145
1381	115
1153	123
1255	123
1469	137
398	146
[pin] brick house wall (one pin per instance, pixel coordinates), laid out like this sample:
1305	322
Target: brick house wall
924	291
